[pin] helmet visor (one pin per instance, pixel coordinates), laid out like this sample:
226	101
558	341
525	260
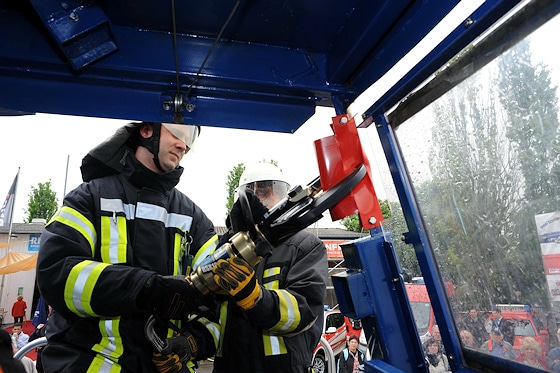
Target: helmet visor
269	192
187	133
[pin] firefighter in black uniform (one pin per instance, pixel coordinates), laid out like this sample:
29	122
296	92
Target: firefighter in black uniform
117	252
274	318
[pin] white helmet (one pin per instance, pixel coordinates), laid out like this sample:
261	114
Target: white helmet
266	181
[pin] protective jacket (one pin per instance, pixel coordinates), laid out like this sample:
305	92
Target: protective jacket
96	254
281	332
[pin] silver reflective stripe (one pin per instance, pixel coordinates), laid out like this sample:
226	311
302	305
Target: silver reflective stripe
79	286
203	253
286	300
117	205
147	211
114	238
274	345
183	222
77	221
101	366
151	212
109	341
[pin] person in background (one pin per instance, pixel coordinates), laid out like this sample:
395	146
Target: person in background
435	335
18	336
506	327
27	362
350	359
531	353
467	339
272	317
497	346
553	356
436	360
39	332
18	309
117	252
475	325
7	362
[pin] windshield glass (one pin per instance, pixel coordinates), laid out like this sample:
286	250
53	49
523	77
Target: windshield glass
421	312
485	165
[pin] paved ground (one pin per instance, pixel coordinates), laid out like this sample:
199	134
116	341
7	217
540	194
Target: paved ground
205	367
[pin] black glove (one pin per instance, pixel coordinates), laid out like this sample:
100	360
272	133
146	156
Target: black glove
237	278
237	220
172	297
176	354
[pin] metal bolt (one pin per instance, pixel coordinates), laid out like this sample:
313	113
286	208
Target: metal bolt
343	120
468	22
73	16
167	105
372	220
190	107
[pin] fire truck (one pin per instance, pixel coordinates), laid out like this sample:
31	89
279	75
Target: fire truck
455	99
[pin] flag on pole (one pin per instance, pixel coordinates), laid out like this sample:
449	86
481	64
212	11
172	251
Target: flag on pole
8	206
41	312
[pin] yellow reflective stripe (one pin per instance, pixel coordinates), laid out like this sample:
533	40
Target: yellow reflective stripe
178	251
79	287
101	364
274	345
274	284
223	324
289	312
74	219
111	342
113	239
205	250
191	366
213	328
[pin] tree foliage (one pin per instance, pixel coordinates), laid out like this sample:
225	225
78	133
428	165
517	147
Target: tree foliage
393	222
42	203
232	184
494	165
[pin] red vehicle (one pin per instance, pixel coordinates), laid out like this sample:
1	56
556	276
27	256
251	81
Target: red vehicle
421	306
526	323
336	330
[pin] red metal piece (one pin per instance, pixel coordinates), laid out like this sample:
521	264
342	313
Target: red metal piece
338	156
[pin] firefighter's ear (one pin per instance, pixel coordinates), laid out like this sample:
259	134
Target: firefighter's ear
146	130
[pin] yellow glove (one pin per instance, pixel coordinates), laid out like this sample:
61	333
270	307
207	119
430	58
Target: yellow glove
237	278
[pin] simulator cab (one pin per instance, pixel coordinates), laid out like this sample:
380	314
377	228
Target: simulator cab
458	99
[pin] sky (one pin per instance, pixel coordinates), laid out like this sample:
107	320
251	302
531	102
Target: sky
45	146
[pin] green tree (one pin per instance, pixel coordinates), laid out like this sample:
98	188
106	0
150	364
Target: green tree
42	202
395	224
352	222
232	184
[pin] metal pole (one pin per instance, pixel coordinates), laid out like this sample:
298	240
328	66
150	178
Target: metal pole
12	207
66	176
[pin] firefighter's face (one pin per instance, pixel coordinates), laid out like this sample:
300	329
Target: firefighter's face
171	150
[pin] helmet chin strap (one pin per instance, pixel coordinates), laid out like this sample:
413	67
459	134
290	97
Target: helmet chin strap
152	144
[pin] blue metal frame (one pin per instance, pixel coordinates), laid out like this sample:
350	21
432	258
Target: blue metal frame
275	63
